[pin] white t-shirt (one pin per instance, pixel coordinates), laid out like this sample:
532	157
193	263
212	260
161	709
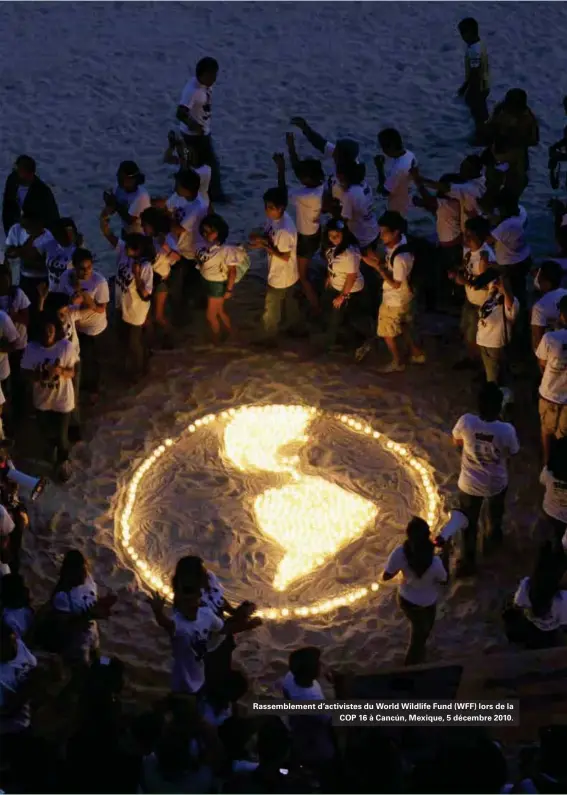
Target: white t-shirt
294	692
214	262
78	601
17	236
13	675
136	202
398	181
545	312
555	498
471	266
189	215
400	270
468	194
51	393
190	643
88	321
6	522
358	211
486	449
308	203
7	332
448	220
163	260
70	330
511	245
424	590
491	332
16	301
19	619
342	265
133	308
197	99
213	596
334	186
282	234
58	259
557	616
553	351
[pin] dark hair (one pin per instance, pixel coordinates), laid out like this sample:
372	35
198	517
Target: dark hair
26	162
552	272
478	226
490	402
38	325
81	255
31	214
338	225
394	221
507	203
73	572
544	584
390	139
562	306
310	169
277	197
190	571
468	24
516	98
188	179
206	65
56	301
61	225
304	664
226	689
13	591
158	219
346	149
557	461
472	164
418	547
352	173
143	244
217	223
129	168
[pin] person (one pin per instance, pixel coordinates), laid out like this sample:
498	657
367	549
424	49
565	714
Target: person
221	697
554	478
90	296
129	198
28	241
494	331
9	338
308	202
186	158
59	251
394	168
551	354
357	204
486	444
514	128
545	311
217	265
468	189
17	612
156	224
49	360
78	606
542	602
15	303
558	154
476	86
422	571
279	240
478	257
395	316
25	192
344	283
194	116
134	287
17	674
511	247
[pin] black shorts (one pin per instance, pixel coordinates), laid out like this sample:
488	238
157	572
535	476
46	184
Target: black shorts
308	245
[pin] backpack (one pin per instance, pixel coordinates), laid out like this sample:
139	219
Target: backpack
423	253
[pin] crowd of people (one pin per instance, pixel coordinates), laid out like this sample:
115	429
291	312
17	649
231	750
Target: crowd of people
337	275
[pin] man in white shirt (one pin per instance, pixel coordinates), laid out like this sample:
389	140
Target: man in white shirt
486	443
545	312
394	170
511	246
194	116
494	331
280	242
552	357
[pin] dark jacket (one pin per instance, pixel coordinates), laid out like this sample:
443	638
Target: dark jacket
39	199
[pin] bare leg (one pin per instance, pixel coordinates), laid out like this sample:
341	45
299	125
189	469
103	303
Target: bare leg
392	343
160	318
303	266
224	317
214	308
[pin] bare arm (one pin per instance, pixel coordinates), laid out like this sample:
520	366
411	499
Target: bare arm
106	230
315	139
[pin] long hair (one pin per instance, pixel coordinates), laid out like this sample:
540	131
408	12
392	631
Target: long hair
348	241
74	571
418	546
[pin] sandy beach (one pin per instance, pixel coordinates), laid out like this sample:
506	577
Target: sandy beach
85	86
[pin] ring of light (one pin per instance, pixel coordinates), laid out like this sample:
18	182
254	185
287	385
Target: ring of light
421	471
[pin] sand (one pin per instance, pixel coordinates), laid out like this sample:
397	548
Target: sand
88	85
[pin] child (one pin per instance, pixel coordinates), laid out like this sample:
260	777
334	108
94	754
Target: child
554	478
217	265
28	242
308	202
59	253
50	361
16	610
476	88
221	697
280	243
357	205
551	354
468	189
545	311
156	224
510	244
134	287
494	331
477	258
129	198
179	153
394	168
15	303
395	316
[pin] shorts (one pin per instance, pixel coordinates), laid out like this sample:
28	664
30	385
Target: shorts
469	322
214	289
553	418
393	319
160	284
308	245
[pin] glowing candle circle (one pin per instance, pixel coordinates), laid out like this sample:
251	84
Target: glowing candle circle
256	448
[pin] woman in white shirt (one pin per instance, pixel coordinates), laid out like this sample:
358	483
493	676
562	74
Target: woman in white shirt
511	246
129	198
217	264
345	282
422	574
554	479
